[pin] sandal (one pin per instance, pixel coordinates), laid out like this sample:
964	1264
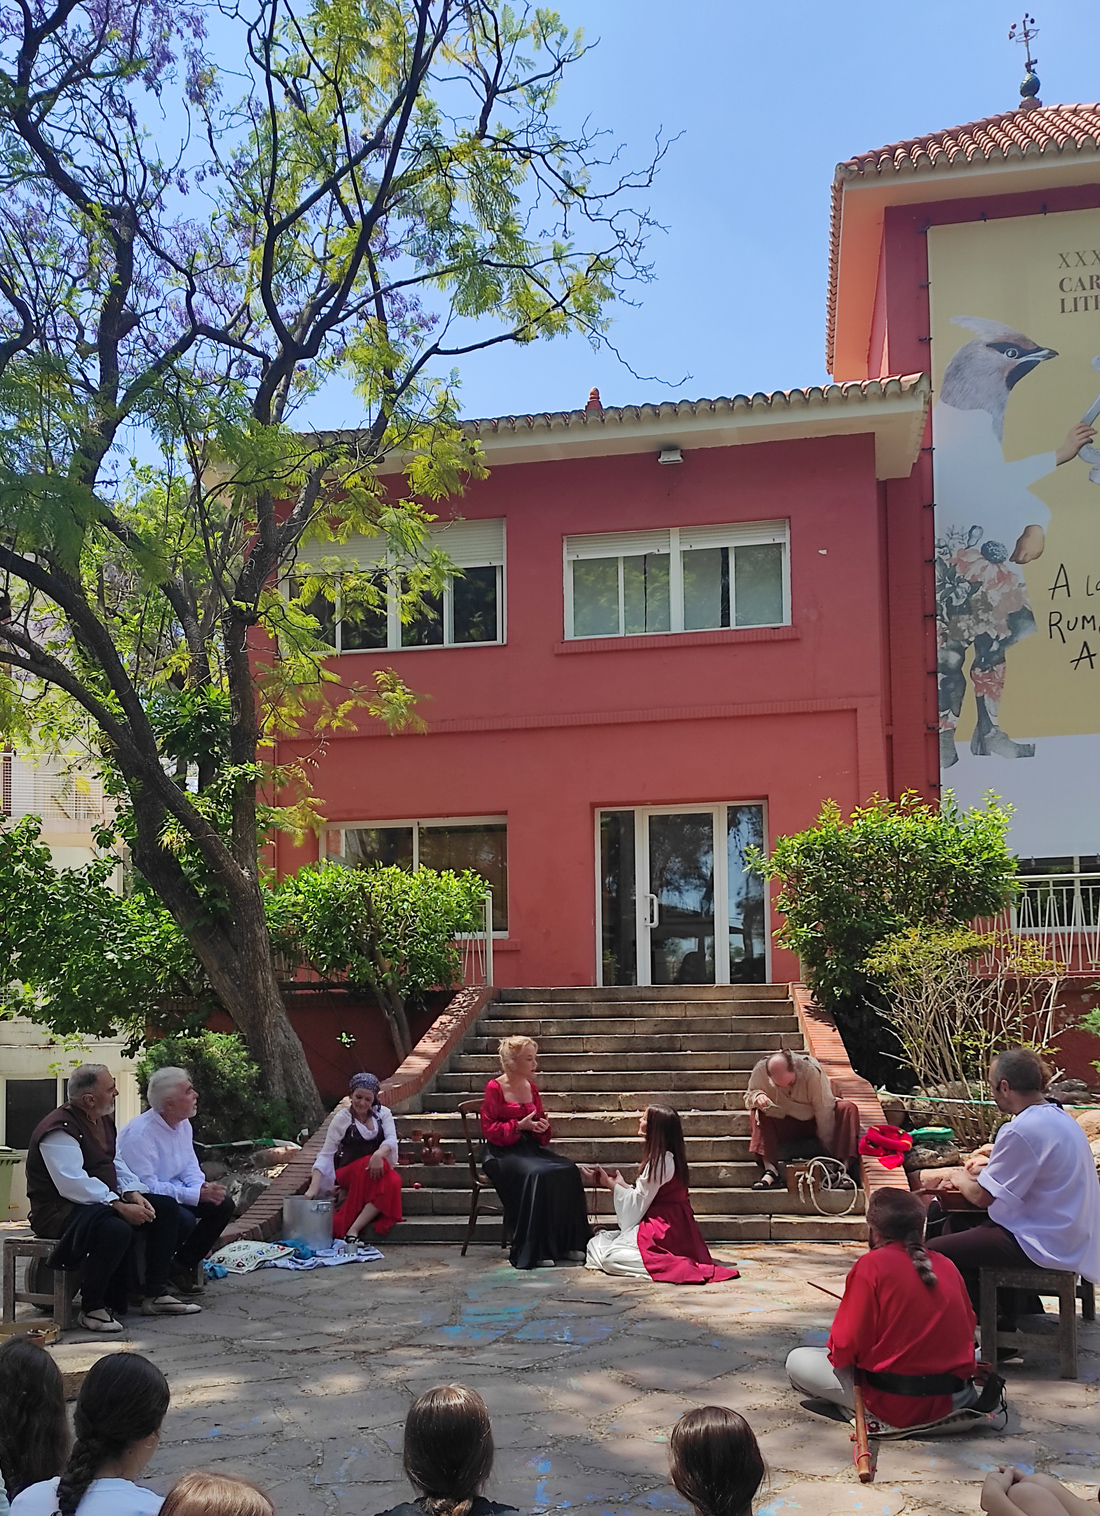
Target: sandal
769	1180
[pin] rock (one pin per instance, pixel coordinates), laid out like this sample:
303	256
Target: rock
244	1189
214	1169
932	1158
269	1158
1071	1092
1089	1121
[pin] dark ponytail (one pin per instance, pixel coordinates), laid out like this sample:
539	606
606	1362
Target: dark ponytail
715	1461
898	1216
448	1452
122	1400
34	1429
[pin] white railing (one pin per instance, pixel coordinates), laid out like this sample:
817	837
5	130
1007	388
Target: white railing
1061	914
477	948
66	800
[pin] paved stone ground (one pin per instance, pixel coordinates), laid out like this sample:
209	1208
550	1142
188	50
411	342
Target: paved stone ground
302	1381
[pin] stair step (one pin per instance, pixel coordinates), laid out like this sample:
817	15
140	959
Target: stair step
618	1064
718	1201
682	994
717	1230
555	1045
662	1078
709	1173
564	1102
599	1123
623	1152
639	1026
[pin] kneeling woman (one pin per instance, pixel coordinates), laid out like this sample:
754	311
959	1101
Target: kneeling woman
659	1238
542	1192
358	1156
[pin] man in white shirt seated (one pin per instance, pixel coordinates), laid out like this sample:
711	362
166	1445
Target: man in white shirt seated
82	1194
159	1147
1040	1189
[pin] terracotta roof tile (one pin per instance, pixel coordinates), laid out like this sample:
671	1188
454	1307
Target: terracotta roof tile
1048	129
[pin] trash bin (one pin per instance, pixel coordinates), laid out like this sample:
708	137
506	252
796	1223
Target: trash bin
8	1159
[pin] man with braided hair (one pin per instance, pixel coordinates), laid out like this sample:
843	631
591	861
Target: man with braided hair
905	1323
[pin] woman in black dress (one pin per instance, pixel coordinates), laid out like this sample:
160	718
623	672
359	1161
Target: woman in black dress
542	1192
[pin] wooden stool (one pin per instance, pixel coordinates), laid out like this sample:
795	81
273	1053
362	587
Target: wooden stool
1038	1282
65	1282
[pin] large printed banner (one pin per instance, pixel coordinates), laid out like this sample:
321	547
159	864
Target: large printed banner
1016	375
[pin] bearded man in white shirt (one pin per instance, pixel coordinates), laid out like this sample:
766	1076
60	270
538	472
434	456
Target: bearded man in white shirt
159	1147
81	1193
1039	1188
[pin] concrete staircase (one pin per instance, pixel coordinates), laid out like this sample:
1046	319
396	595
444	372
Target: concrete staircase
605	1054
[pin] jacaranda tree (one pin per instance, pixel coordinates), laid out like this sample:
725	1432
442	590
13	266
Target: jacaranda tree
208	213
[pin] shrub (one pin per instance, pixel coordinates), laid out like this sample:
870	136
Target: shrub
383	929
231	1105
848	884
954	998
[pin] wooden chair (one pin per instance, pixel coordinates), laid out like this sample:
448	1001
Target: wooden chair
1065	1285
65	1282
470	1110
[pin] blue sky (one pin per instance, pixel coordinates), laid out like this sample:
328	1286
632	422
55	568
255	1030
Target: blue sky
767	101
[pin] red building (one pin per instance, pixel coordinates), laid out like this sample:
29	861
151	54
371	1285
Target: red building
681	627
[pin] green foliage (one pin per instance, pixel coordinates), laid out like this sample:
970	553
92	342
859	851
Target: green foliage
232	1107
76	955
382	928
848	884
1090	1022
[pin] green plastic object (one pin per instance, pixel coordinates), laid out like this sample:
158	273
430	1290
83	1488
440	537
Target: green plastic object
8	1159
932	1134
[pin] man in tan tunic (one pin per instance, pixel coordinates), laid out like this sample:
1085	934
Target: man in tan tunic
790	1100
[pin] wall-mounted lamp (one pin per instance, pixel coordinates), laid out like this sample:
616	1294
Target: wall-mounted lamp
670	455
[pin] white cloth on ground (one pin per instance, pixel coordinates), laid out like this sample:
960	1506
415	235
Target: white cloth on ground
324	1164
65	1163
103	1497
618	1252
162	1157
1042	1177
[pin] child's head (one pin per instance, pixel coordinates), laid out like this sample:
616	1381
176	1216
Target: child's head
715	1462
201	1494
448	1452
34	1431
122	1403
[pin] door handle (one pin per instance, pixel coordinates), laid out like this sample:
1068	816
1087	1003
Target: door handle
654	913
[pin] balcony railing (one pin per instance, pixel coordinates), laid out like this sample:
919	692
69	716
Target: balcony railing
1061	914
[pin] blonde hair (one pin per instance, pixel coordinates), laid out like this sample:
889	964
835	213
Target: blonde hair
509	1049
201	1494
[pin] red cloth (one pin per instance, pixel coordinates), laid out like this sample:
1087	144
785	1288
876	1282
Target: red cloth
891	1322
499	1117
671	1244
364	1189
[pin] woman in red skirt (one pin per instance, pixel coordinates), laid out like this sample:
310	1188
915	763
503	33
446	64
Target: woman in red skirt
358	1156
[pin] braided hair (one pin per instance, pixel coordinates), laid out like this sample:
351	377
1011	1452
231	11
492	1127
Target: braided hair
898	1216
448	1453
123	1399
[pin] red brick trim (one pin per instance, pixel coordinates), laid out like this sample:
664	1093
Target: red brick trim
435	1047
263	1220
825	1043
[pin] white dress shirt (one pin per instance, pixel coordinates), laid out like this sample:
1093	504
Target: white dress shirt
1042	1176
162	1156
618	1252
324	1162
64	1161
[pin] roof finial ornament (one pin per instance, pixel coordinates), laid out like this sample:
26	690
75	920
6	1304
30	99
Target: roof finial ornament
594	401
1025	32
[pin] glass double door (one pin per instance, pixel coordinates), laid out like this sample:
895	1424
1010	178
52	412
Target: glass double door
677	905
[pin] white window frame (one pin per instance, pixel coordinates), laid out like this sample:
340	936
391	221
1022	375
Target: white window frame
674	541
365	555
415	823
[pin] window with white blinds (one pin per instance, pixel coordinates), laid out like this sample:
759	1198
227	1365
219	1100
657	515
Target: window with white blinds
678	579
367	608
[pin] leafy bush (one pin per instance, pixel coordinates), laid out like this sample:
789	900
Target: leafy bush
847	885
231	1107
955	997
383	929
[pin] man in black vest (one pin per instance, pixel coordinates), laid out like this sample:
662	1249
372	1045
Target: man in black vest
80	1193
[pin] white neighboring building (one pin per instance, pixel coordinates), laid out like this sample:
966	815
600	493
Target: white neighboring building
33	1063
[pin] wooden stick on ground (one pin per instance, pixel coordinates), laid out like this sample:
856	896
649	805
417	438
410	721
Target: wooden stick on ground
823	1290
859	1436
